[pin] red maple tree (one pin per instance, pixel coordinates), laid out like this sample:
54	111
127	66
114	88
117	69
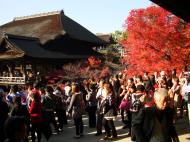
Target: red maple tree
157	40
94	62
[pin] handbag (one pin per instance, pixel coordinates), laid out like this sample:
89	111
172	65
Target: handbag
124	105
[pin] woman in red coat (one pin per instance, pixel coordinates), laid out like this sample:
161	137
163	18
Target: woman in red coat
35	111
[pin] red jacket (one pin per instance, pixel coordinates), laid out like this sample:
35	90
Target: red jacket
36	112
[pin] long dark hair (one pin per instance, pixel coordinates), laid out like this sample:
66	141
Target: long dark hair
36	96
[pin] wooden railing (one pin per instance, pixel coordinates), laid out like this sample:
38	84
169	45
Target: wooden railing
12	80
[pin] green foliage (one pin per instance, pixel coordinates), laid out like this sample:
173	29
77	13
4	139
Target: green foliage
119	35
113	51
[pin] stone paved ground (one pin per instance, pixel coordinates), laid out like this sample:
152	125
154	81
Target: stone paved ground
182	126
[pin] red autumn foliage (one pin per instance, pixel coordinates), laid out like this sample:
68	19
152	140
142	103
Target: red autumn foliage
77	70
157	40
94	62
105	72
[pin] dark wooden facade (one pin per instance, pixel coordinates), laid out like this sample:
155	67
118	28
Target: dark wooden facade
44	41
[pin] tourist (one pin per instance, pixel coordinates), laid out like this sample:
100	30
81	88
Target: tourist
22	111
109	111
137	102
49	104
15	129
4	110
91	106
186	94
36	116
155	124
99	97
76	108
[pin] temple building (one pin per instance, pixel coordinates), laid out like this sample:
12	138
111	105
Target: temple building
40	41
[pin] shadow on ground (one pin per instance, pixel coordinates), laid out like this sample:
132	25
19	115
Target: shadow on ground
182	127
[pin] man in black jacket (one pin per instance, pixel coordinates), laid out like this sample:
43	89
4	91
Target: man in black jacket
155	124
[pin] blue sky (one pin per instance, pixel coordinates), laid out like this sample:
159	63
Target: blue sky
98	16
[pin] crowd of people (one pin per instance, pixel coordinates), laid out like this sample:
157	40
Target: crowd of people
148	106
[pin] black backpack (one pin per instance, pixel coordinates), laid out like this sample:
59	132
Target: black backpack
137	105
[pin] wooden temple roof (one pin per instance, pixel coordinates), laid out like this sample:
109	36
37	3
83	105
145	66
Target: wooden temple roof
47	26
50	35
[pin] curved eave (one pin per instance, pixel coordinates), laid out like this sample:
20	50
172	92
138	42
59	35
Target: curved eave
10	57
